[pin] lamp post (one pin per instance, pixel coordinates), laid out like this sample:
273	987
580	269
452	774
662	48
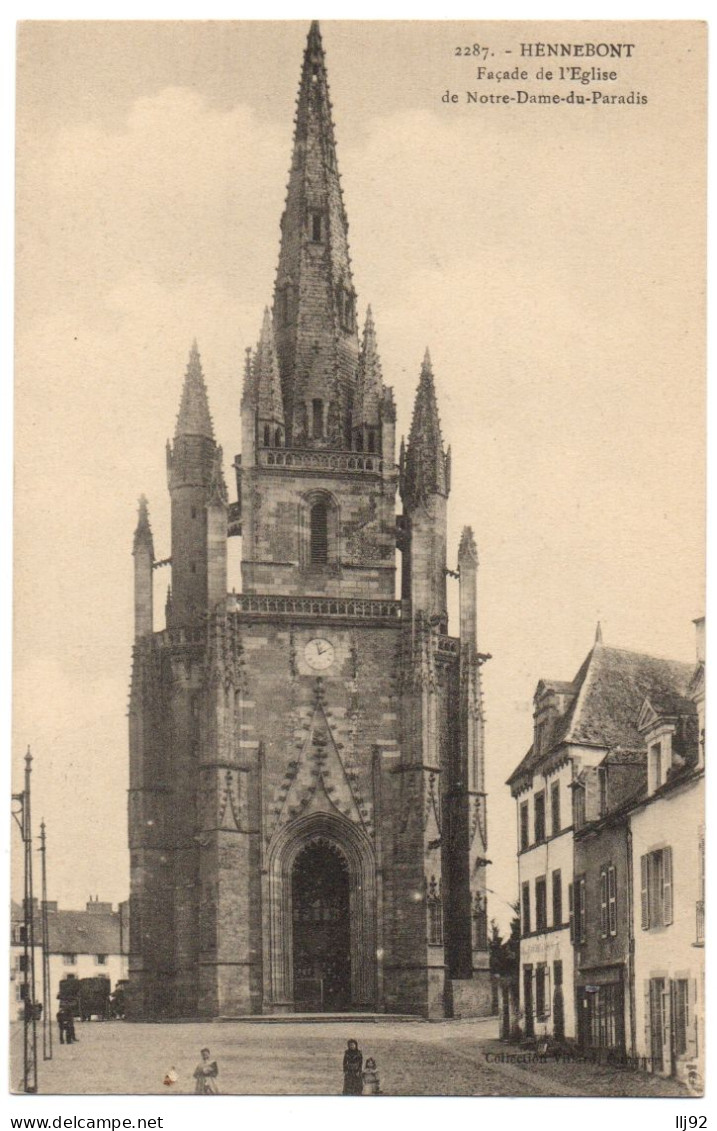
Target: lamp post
46	1014
22	816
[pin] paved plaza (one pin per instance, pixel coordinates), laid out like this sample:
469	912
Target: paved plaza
414	1058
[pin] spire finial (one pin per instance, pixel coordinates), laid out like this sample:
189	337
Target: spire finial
467	549
143	530
194	418
265	384
598	633
369	387
427	467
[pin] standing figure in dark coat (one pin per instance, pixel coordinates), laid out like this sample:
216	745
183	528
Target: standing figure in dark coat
70	1026
353	1063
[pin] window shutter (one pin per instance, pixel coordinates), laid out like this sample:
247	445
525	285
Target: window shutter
667	1024
603	903
692	1041
571	912
667	885
612	899
583	910
648	1018
645	891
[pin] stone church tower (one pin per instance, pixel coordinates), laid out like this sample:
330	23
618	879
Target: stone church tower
307	812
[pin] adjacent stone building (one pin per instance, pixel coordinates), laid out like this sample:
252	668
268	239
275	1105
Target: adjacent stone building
668	864
307	811
623	972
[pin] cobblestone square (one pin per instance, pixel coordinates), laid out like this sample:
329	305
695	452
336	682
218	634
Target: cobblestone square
413	1058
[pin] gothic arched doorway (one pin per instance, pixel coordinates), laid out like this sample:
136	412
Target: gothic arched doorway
342	841
321	919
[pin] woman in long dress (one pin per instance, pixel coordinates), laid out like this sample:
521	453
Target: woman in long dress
205	1075
353	1063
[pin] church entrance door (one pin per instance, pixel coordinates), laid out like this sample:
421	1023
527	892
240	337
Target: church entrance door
321	928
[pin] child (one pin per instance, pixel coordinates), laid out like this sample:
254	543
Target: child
371	1082
206	1074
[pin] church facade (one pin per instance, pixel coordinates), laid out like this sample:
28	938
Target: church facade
307	809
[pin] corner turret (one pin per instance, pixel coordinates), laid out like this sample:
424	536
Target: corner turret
191	470
424	486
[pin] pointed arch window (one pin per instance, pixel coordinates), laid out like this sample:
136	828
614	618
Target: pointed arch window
346	306
319	534
317	419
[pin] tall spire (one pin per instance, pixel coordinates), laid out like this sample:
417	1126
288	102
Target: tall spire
314	299
266	387
425	466
369	389
193	418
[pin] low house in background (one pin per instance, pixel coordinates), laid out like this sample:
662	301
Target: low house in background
84	944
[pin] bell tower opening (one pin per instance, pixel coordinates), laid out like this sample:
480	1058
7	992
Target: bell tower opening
321	929
319	537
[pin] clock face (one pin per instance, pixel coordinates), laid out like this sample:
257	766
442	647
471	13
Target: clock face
319	654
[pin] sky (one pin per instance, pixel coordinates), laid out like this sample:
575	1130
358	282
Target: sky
552	259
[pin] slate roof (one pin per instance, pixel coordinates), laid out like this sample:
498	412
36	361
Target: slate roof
611	687
78	932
